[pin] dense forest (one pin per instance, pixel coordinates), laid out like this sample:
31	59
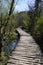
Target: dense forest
31	21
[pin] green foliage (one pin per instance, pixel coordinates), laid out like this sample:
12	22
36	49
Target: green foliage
9	37
32	23
25	20
38	30
5	58
7	33
18	19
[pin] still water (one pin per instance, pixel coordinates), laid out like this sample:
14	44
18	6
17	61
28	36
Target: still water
10	47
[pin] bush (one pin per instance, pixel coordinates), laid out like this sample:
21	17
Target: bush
38	31
7	46
9	37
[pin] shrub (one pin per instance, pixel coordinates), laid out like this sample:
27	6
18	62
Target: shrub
38	31
9	37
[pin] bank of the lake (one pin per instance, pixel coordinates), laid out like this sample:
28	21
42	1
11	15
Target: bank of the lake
8	48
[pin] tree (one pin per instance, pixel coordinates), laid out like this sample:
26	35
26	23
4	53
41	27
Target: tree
2	28
38	31
36	22
19	20
34	14
38	7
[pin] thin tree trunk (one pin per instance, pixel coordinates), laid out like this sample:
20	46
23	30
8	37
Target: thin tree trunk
10	12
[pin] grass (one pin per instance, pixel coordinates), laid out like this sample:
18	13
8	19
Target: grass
4	58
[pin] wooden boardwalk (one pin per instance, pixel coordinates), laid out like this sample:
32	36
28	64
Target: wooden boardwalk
27	51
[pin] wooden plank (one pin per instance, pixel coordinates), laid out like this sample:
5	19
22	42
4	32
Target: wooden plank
27	51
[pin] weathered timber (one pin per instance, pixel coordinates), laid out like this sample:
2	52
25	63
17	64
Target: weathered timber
27	51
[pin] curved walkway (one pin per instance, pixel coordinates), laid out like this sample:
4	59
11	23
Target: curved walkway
27	51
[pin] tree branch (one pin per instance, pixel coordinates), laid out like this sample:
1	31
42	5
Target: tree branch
10	12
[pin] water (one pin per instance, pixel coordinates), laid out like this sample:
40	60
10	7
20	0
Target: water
10	47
